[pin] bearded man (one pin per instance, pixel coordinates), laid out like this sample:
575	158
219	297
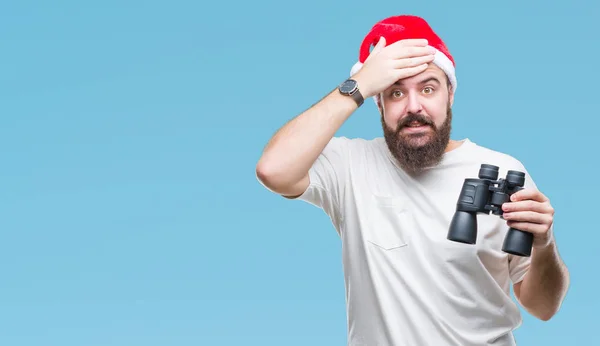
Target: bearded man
392	199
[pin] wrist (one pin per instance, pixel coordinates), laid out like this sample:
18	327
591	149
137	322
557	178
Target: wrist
362	85
545	240
351	89
544	250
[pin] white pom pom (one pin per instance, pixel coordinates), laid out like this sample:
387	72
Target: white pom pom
355	68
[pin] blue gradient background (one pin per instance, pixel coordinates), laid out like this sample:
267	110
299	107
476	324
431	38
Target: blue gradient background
130	212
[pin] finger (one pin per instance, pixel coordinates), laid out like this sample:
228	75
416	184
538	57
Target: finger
528	227
410	71
528	216
528	194
529	204
380	44
378	47
410	42
413	62
411	52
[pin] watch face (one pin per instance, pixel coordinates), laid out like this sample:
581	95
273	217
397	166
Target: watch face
348	86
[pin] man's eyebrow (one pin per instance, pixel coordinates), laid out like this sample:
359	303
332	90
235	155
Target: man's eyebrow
430	79
424	81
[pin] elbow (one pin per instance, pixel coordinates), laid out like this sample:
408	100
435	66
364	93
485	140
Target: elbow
543	313
544	301
543	310
278	180
268	175
547	315
263	174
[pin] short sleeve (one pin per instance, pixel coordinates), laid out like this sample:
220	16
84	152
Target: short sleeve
328	176
519	265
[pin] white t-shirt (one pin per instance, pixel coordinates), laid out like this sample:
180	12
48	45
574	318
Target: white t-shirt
406	283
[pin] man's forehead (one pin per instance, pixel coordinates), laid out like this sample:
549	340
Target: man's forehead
432	74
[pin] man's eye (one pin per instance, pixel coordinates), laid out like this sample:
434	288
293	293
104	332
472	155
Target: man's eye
428	90
397	93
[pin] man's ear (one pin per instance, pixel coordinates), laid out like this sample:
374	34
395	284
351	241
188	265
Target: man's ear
379	104
450	91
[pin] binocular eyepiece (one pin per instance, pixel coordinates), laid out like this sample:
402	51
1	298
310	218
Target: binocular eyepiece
486	195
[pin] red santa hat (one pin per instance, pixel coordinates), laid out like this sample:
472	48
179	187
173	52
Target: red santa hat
403	27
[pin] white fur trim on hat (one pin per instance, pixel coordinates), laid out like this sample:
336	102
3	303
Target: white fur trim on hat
355	68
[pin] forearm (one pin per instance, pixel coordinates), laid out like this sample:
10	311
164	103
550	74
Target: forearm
545	285
291	152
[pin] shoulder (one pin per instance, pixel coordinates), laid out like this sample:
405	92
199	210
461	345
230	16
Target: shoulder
478	154
498	158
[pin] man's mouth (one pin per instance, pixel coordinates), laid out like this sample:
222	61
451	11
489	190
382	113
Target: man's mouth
416	123
415	126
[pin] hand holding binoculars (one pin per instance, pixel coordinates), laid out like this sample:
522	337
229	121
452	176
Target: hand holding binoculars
485	195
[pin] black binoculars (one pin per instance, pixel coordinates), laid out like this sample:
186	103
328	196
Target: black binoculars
485	195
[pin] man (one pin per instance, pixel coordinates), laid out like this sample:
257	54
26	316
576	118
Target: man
392	199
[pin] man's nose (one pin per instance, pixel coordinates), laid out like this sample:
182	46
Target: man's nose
414	104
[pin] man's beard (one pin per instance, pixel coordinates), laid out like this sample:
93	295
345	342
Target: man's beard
413	157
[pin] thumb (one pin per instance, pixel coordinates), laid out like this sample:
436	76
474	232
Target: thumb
378	47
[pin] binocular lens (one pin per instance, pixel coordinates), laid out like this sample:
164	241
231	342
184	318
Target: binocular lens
516	178
463	228
488	172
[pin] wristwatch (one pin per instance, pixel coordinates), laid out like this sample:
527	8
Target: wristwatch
350	88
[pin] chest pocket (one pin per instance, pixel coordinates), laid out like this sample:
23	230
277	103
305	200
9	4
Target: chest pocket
389	222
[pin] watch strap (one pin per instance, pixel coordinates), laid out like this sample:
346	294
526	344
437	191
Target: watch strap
350	88
358	98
